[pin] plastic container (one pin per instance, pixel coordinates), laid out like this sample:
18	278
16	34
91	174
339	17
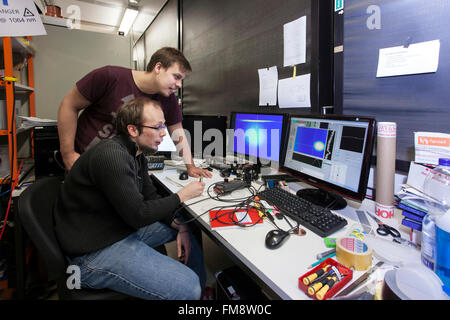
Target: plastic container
428	245
436	186
443	250
419	283
345	272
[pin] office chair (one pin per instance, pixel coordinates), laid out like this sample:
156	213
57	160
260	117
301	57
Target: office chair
35	210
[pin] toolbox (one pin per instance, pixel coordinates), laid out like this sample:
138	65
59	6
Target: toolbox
346	273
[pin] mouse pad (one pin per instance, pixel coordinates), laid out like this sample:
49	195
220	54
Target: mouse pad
230	218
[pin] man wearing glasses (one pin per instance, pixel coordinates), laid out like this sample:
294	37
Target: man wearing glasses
102	91
109	217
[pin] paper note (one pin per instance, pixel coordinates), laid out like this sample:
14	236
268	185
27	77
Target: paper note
20	18
430	146
294	92
268	82
295	42
417	58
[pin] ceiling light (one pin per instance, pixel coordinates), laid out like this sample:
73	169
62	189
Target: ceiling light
127	20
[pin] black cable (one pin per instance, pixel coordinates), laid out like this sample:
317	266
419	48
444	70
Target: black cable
236	202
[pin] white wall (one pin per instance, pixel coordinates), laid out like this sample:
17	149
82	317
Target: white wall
64	56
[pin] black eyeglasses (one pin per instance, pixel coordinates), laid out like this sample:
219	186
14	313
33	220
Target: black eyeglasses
160	128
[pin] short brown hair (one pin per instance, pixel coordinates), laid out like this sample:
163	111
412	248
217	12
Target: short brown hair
168	56
131	113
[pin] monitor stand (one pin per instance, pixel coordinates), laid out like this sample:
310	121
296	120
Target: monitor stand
323	198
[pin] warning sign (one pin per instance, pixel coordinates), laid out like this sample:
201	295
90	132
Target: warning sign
20	18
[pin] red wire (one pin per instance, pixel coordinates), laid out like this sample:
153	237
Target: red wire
10	198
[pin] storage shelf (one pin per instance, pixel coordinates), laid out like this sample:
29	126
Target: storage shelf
20	88
9	91
20	45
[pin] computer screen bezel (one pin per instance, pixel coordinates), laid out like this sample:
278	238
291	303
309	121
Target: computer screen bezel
325	185
247	157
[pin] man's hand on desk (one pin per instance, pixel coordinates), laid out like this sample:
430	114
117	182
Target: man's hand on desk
192	190
196	172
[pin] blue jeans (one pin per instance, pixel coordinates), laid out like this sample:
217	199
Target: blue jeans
133	267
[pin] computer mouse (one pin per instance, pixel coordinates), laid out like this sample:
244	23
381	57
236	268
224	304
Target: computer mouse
275	238
184	175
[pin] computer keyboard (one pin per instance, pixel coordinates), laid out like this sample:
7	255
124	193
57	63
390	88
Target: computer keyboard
155	162
319	220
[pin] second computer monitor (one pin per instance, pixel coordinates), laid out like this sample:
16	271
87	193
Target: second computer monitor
258	136
332	153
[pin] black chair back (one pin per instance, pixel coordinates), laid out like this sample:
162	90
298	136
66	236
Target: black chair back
35	210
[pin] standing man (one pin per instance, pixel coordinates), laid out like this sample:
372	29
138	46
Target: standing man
109	216
102	91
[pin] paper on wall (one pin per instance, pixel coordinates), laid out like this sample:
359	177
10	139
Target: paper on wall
268	81
295	42
294	92
417	58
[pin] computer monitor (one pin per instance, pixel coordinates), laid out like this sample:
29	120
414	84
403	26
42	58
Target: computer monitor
206	134
258	136
167	146
332	153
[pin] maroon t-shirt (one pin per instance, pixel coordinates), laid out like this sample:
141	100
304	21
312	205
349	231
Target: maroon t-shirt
108	88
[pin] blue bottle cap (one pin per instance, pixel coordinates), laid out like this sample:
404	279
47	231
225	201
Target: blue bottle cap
444	162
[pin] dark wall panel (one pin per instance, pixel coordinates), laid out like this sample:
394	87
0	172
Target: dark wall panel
163	31
227	42
415	102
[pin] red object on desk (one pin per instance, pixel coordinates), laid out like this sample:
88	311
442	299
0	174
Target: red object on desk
345	272
223	219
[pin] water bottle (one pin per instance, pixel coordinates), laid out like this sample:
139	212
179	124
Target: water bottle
442	267
436	186
428	245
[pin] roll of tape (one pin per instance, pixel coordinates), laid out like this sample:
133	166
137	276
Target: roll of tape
353	253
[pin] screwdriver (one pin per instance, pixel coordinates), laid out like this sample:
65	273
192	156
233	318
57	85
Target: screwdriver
321	294
307	280
316	286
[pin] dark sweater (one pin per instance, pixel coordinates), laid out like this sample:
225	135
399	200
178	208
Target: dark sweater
106	196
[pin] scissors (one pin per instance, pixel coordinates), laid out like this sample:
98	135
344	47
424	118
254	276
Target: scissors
384	229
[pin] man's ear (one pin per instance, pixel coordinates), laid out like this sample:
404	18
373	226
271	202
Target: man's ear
158	67
133	131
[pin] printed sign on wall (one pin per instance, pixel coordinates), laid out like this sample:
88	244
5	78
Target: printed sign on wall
20	18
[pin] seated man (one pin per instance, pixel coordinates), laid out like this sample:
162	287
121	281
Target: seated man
109	217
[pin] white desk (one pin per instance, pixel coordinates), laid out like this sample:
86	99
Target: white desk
276	270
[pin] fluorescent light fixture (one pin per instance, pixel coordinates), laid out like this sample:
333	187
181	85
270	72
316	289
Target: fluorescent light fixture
127	20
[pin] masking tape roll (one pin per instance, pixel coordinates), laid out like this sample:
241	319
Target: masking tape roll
353	252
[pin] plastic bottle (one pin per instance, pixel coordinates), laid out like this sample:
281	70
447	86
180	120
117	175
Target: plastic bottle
428	251
442	267
437	186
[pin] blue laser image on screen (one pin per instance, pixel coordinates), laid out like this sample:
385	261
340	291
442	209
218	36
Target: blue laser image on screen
262	135
311	141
